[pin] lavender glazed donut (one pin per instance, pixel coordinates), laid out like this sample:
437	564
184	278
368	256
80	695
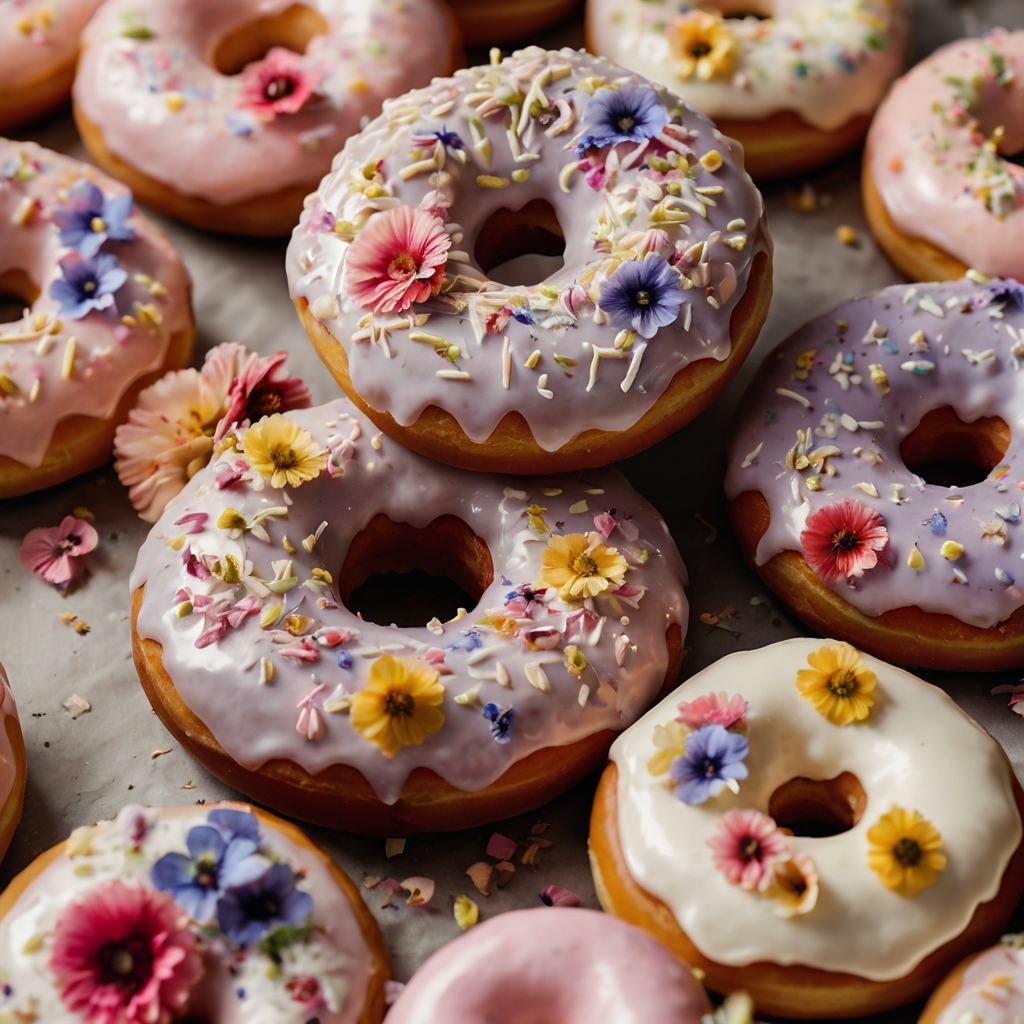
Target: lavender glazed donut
107	311
939	192
226	116
248	653
38	54
573	966
987	988
796	88
13	765
216	913
842	468
666	282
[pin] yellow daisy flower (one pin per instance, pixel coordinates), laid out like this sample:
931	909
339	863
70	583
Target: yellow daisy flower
580	566
669	743
283	451
575	661
704	45
400	705
838	684
906	851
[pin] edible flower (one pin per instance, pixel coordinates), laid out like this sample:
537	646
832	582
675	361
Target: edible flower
249	911
261	388
501	721
838	684
278	84
795	886
122	954
55	552
86	284
714	709
280	449
580	566
843	539
400	706
704	45
747	847
88	219
713	760
631	113
642	295
906	851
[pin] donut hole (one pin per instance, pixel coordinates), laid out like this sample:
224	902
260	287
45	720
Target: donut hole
945	451
17	291
401	574
521	247
292	29
760	9
818	807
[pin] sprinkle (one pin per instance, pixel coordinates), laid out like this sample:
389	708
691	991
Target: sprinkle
542	387
634	367
846	234
502	676
786	393
869	489
76	705
736	225
977	276
533	359
175	101
468	698
521	174
565	174
184	609
467	913
579	508
68	366
751	456
506	363
453	374
491	181
394	847
375	442
959	577
712	530
266	671
537	677
23	214
711	160
929	305
951	550
1004	577
977	358
880	377
915	559
918	366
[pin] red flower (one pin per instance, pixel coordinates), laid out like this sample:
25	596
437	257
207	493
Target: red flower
121	955
397	259
54	552
843	539
278	84
262	388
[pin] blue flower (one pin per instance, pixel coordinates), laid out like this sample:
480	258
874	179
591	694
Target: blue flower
501	721
937	524
642	295
247	912
471	641
222	853
86	284
629	114
1007	290
87	220
713	757
522	315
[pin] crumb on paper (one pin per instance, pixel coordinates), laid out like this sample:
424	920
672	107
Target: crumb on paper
847	235
394	847
480	874
713	530
467	913
159	753
371	881
76	705
187	785
807	199
82	512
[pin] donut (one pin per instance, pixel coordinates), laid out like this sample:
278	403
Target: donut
796	83
666	281
810	839
215	913
107	309
250	657
38	53
226	116
940	194
563	964
13	765
873	480
487	24
987	987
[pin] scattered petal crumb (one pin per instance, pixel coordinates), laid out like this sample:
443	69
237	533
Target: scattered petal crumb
713	620
467	913
540	828
807	199
67	617
713	534
81	512
371	881
501	847
846	234
393	847
503	873
81	627
159	753
420	890
76	705
187	785
480	874
556	896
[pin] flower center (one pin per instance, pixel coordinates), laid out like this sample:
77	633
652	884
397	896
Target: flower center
643	297
69	543
845	540
843	683
626	123
584	565
283	457
402	267
280	87
97	224
127	964
397	704
262	402
89	287
907	852
749	848
261	906
700	49
710	768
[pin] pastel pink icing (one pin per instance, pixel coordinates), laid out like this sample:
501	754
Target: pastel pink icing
561	964
955	344
613	206
301	715
53	30
991	988
940	176
8	768
109	354
212	147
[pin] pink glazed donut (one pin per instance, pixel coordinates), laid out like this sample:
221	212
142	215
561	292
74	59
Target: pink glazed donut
13	765
569	965
38	53
940	195
226	115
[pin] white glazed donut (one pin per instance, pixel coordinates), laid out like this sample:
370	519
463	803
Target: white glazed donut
160	102
217	913
250	656
686	833
797	88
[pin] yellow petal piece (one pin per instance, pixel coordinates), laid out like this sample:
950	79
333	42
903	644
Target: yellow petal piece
467	913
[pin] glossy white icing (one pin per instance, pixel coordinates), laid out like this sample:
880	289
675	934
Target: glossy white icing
39	36
991	989
165	110
8	768
826	60
900	754
564	964
613	206
108	355
233	990
956	344
937	163
623	639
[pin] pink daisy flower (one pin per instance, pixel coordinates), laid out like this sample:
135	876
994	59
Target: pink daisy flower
278	84
55	552
745	846
713	709
843	539
396	260
122	955
262	388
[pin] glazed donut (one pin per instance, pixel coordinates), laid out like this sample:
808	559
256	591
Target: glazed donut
384	730
939	194
987	988
881	889
13	765
38	54
841	471
107	310
797	89
487	24
563	964
238	916
227	116
666	282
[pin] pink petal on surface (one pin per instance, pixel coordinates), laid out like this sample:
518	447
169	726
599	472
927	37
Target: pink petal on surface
556	896
420	890
501	847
